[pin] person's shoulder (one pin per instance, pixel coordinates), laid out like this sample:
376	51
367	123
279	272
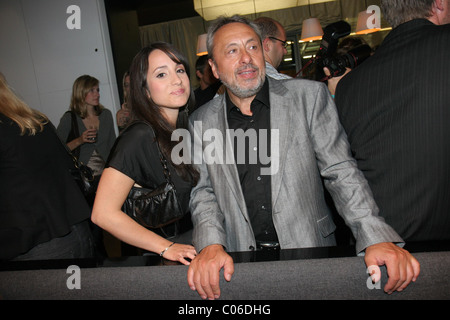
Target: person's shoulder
430	35
295	85
138	129
440	35
106	113
66	115
208	109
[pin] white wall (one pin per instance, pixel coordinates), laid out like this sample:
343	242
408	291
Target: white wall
41	57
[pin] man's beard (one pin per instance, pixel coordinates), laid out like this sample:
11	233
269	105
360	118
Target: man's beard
240	92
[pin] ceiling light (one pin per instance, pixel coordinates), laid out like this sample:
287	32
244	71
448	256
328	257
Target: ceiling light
311	30
201	45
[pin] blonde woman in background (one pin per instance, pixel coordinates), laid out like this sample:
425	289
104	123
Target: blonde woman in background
94	138
43	213
95	125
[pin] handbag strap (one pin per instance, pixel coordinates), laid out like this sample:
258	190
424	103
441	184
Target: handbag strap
74	133
161	157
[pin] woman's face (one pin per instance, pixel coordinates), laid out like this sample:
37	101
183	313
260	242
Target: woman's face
93	96
167	81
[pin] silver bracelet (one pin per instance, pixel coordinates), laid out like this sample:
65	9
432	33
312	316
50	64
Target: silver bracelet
164	251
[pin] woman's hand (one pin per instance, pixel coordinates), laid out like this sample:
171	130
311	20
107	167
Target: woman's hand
89	136
179	252
123	116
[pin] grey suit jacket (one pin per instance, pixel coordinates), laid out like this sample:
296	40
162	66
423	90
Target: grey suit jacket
311	144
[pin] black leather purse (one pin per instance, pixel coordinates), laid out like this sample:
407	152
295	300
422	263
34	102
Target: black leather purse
84	177
154	208
82	174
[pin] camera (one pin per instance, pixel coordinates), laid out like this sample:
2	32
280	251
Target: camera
326	56
353	58
331	35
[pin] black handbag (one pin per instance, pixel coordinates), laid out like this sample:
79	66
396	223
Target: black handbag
84	177
82	174
154	208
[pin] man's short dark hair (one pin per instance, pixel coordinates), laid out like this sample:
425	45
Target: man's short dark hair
268	27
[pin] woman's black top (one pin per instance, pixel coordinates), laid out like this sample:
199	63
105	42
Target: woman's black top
39	199
136	154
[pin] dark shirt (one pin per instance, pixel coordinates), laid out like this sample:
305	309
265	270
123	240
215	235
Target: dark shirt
203	96
136	154
255	187
39	198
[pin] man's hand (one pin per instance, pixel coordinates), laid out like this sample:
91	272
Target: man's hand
333	82
203	274
402	267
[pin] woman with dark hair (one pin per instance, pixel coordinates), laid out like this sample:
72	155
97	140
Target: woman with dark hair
159	90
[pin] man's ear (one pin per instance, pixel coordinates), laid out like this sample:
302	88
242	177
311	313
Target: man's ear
438	12
266	44
439	4
199	74
213	68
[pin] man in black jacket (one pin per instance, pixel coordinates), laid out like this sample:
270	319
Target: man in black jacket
395	109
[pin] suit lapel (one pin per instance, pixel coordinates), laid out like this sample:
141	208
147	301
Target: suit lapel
229	168
280	121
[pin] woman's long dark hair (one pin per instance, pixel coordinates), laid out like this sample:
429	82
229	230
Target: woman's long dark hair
143	107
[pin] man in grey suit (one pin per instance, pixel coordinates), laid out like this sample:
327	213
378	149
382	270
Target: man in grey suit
245	205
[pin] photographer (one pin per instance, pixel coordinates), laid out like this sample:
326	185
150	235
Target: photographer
395	110
346	45
333	61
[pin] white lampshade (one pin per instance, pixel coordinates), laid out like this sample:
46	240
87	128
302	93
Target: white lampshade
201	45
367	23
311	30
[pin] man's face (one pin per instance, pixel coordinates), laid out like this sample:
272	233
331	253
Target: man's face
440	12
446	13
238	59
279	50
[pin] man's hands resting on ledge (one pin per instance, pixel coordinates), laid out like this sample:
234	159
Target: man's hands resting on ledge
204	271
401	266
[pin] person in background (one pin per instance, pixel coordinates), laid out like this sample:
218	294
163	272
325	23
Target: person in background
395	108
123	116
160	87
92	138
209	85
274	42
95	125
250	205
343	47
43	213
